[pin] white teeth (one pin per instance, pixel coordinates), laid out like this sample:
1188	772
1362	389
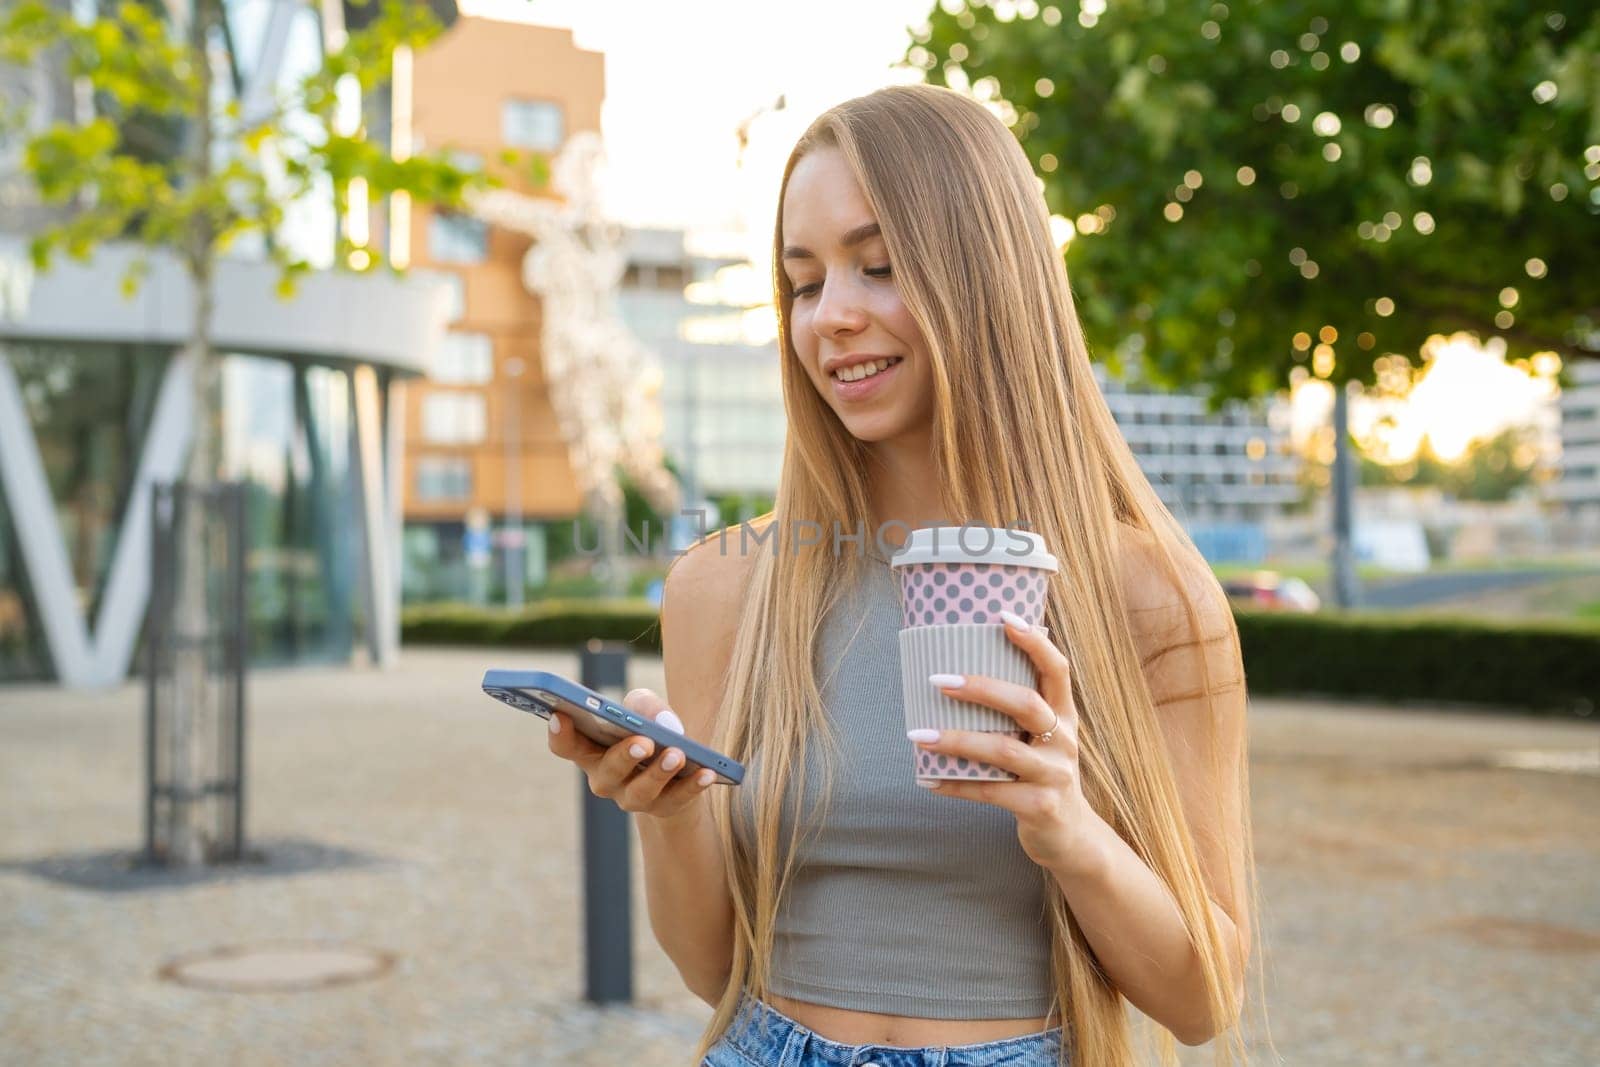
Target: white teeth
864	370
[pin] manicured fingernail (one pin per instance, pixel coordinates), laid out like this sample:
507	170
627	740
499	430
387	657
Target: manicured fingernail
1016	620
704	777
555	725
923	735
947	681
671	761
636	751
669	720
924	783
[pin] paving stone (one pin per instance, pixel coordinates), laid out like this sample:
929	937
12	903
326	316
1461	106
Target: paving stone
1423	902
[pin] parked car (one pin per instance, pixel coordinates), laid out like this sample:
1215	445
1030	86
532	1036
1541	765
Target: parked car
1271	591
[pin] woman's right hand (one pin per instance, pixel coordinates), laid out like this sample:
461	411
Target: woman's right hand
638	783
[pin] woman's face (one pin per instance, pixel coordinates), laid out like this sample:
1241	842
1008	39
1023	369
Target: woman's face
847	314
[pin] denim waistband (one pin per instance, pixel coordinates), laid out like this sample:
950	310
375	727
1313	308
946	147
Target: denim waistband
769	1037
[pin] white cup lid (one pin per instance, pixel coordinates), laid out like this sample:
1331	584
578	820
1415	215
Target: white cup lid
974	544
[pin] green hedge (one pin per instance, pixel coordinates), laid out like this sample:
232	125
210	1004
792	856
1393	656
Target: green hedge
545	624
1541	667
1538	666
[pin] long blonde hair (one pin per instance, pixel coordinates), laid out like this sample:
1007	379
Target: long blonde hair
968	235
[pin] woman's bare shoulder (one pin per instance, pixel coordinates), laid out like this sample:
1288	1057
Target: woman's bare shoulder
715	571
701	601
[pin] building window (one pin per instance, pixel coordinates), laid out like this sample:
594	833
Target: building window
458	296
457	238
535	124
444	478
464	359
454	418
457	286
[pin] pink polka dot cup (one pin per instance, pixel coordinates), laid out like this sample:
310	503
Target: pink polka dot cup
954	582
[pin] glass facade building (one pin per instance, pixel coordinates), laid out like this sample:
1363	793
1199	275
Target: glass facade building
95	408
89	407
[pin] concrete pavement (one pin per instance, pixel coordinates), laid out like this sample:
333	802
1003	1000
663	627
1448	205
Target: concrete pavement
1423	901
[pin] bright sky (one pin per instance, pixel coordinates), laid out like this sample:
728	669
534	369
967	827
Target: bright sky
681	77
1466	393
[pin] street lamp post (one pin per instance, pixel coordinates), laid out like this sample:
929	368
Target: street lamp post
513	534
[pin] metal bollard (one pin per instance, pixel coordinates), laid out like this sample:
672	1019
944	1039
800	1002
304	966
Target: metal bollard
607	861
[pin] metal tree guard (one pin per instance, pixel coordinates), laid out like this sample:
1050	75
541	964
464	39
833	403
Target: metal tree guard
220	715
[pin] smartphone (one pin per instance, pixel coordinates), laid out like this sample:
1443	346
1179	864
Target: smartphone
602	720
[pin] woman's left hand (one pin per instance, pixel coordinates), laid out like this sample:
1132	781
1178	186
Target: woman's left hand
1054	821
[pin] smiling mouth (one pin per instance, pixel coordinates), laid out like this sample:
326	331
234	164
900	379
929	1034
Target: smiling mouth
894	361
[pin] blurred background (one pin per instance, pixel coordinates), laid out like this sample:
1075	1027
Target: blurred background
469	308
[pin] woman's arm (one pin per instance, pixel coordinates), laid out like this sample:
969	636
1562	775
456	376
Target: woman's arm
691	913
1112	892
1130	919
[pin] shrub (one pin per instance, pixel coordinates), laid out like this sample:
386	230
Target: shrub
1537	666
1546	667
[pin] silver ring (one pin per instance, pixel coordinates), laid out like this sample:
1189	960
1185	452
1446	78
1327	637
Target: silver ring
1048	734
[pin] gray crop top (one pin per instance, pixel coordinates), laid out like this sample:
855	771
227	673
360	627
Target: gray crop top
904	903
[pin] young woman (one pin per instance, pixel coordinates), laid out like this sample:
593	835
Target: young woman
830	910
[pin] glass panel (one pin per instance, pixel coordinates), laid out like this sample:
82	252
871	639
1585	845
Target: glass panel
435	566
454	418
24	655
89	407
247	21
443	478
457	286
464	359
310	222
535	124
286	433
457	238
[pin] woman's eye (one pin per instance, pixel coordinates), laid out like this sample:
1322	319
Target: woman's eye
807	290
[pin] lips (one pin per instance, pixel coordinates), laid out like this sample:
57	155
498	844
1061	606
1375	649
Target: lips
866	387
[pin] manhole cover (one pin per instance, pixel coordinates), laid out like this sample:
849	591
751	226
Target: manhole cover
278	968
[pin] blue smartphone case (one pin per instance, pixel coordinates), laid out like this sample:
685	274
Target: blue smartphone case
602	720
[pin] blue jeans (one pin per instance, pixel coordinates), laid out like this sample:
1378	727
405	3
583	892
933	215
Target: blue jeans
762	1036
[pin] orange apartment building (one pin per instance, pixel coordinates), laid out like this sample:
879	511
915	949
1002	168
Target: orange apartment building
483	87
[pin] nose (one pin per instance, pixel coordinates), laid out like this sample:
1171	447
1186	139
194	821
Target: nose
838	310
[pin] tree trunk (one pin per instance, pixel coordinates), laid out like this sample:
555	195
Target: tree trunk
193	726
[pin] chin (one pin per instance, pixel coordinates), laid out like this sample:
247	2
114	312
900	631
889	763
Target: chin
872	431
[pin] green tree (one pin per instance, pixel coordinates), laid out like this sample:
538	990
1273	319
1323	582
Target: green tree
1250	180
171	164
1254	187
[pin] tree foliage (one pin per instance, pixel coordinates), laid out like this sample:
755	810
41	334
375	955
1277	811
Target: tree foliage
1251	180
123	173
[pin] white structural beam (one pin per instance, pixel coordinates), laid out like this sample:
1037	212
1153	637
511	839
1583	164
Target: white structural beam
349	321
257	100
82	658
334	318
394	438
382	596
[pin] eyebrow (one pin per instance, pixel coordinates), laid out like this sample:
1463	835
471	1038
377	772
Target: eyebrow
853	237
